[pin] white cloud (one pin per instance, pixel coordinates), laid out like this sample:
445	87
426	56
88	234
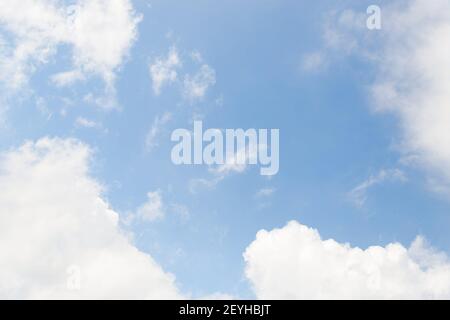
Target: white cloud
153	208
198	184
106	100
411	58
163	71
340	31
53	220
86	123
231	165
151	140
314	61
296	263
181	210
42	107
64	79
340	38
413	80
237	164
103	33
196	86
196	56
167	70
265	192
358	195
98	32
263	197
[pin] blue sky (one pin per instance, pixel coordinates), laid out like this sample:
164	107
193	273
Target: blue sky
332	139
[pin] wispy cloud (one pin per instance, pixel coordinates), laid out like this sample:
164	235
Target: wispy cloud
315	61
358	195
86	123
238	163
197	85
198	184
153	208
163	71
151	140
67	78
265	192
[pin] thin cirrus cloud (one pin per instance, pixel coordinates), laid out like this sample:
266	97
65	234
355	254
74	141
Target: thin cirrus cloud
152	137
294	262
358	195
164	70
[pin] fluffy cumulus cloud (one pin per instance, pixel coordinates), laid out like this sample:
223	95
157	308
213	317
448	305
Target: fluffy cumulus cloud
59	238
98	32
296	263
265	192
